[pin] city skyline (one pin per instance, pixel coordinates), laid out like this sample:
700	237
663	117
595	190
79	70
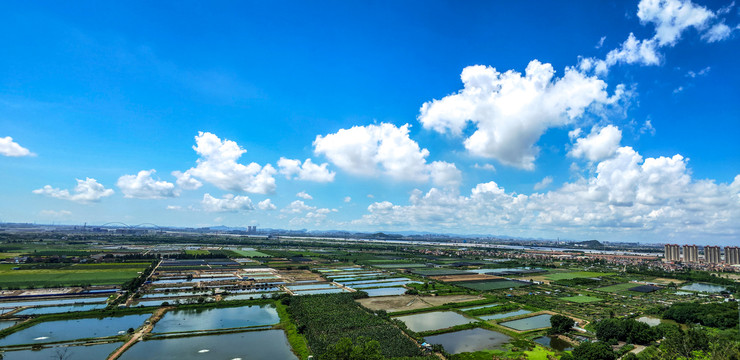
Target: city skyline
615	121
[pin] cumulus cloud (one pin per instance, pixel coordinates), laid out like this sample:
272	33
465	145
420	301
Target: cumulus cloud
86	191
228	203
633	51
308	171
384	149
143	186
511	111
304	195
185	181
218	165
546	181
637	196
303	214
598	145
487	167
8	147
266	205
717	33
347	199
673	17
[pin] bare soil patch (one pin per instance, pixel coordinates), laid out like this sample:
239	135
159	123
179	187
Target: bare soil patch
411	302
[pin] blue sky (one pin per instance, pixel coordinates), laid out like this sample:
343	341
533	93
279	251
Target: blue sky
608	120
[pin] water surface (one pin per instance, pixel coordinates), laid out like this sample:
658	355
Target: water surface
219	318
702	287
253	345
70	352
530	323
554	343
504	315
434	320
65	330
469	340
60	309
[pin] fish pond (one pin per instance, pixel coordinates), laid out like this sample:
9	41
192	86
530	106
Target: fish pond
65	330
469	340
702	287
530	323
385	291
434	320
253	345
554	343
218	318
504	315
100	351
60	309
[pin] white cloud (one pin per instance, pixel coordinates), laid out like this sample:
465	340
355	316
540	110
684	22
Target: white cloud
86	191
511	111
143	186
627	195
347	199
546	181
306	215
55	213
308	171
716	33
647	128
218	165
304	195
228	203
704	71
633	51
8	147
672	17
296	207
384	149
185	181
266	205
601	42
174	207
599	144
678	90
445	174
487	167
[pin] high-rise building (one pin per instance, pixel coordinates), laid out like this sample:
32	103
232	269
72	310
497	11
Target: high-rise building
672	252
732	255
690	253
712	254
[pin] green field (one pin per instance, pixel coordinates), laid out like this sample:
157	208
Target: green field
197	252
490	285
575	274
250	253
581	299
618	288
399	266
72	275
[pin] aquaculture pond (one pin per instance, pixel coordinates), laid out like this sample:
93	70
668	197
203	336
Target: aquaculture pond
530	323
6	324
434	320
649	320
478	307
319	291
383	284
311	287
53	302
350	283
252	345
69	352
702	287
554	343
504	315
60	309
65	330
385	291
219	318
469	340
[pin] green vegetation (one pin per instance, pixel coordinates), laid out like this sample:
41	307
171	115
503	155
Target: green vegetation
297	341
629	330
487	285
619	288
250	253
576	274
722	315
560	324
73	275
581	299
327	318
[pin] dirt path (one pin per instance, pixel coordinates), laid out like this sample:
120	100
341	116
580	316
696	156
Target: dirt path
147	328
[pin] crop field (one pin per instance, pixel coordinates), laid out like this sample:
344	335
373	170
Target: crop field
197	252
581	299
490	285
399	266
576	274
250	253
73	275
330	317
617	288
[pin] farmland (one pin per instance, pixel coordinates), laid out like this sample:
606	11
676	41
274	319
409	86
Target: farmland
71	275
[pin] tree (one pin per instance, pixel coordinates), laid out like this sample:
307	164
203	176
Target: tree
593	351
560	324
344	349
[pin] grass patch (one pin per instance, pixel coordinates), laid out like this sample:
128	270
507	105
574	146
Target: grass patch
76	275
618	288
576	274
297	341
581	299
250	253
197	252
487	285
